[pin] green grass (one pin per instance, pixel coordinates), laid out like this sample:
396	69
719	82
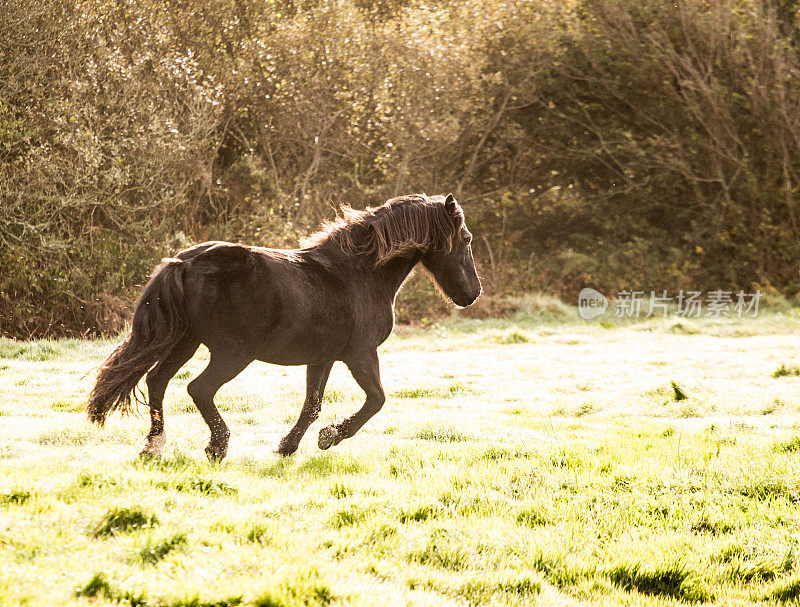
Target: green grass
674	580
441	434
432	392
17	496
786	592
152	553
465	489
678	392
784	371
513	337
203	486
789	445
123	520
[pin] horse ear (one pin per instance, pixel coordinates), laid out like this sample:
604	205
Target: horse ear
450	203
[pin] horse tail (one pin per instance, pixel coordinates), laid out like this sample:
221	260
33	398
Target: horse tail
159	323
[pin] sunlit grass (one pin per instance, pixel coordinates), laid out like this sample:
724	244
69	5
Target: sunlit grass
638	464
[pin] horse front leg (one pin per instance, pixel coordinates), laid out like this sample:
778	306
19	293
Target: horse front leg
367	373
316	379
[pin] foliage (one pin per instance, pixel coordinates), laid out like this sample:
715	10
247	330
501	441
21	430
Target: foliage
622	143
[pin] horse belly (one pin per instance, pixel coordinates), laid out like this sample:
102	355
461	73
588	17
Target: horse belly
303	340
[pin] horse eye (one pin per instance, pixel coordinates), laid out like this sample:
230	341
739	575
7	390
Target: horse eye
467	238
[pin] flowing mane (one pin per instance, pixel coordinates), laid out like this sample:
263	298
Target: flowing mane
399	225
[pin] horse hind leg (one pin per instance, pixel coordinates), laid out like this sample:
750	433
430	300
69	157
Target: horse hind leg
220	370
157	380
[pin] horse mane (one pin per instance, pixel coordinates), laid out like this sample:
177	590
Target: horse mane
398	226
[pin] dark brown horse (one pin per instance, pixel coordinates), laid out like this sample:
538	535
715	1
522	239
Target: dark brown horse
331	300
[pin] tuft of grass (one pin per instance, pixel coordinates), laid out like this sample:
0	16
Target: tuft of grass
440	552
123	520
178	462
203	486
433	392
714	527
259	534
277	469
784	371
763	488
379	534
347	518
99	587
762	570
771	407
96	587
677	391
674	580
16	496
558	571
92	480
493	454
305	590
67	406
790	445
38	351
329	464
786	592
10	348
728	553
153	553
567	458
481	590
684	328
441	434
418	514
196	601
512	337
339	490
65	437
531	517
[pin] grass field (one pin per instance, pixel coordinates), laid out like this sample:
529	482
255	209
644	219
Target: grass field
541	460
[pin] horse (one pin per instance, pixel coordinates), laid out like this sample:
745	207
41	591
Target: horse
330	300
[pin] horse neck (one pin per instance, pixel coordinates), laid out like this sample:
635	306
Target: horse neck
390	276
386	278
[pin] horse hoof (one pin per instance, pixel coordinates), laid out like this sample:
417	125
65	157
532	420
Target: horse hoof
215	454
154	447
328	437
285	450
